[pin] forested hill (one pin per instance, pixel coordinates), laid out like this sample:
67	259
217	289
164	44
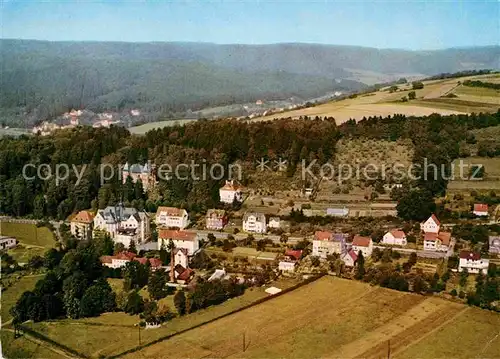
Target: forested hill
43	79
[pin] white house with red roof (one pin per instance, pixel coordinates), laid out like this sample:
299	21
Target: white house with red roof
349	258
432	225
363	244
326	243
121	259
229	192
480	210
181	257
181	239
473	262
172	217
439	242
395	237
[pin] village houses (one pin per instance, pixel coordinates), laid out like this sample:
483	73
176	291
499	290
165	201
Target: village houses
326	243
216	219
230	192
439	242
123	224
395	237
81	225
363	244
172	217
181	257
180	239
254	222
472	262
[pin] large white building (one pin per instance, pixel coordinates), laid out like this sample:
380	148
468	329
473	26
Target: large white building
180	239
123	224
254	222
395	237
230	192
326	243
172	217
472	262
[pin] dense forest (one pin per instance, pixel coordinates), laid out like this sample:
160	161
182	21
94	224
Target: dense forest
436	138
41	80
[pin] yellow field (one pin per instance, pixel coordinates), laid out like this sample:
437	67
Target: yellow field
429	100
492	174
340	319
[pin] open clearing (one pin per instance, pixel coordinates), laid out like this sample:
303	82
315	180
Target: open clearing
428	100
491	180
29	234
339	318
142	129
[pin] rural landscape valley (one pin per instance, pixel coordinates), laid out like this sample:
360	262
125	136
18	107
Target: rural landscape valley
249	180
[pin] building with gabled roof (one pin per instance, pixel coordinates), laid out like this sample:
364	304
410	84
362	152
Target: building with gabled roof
480	210
326	243
145	173
230	192
216	219
395	237
172	217
180	239
363	244
123	224
349	258
440	242
473	262
254	222
81	225
431	225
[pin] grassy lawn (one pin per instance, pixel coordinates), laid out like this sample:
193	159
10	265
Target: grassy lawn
12	294
23	254
113	333
29	234
25	348
250	253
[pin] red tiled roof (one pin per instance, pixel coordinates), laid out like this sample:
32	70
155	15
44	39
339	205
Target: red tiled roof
83	217
176	235
323	235
480	207
106	259
361	241
396	233
231	186
155	262
126	255
141	260
171	211
470	255
435	219
430	236
295	254
444	237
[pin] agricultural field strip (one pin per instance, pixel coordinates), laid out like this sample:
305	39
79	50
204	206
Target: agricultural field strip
402	334
277	330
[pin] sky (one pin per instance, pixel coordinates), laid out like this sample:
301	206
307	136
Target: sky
412	25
